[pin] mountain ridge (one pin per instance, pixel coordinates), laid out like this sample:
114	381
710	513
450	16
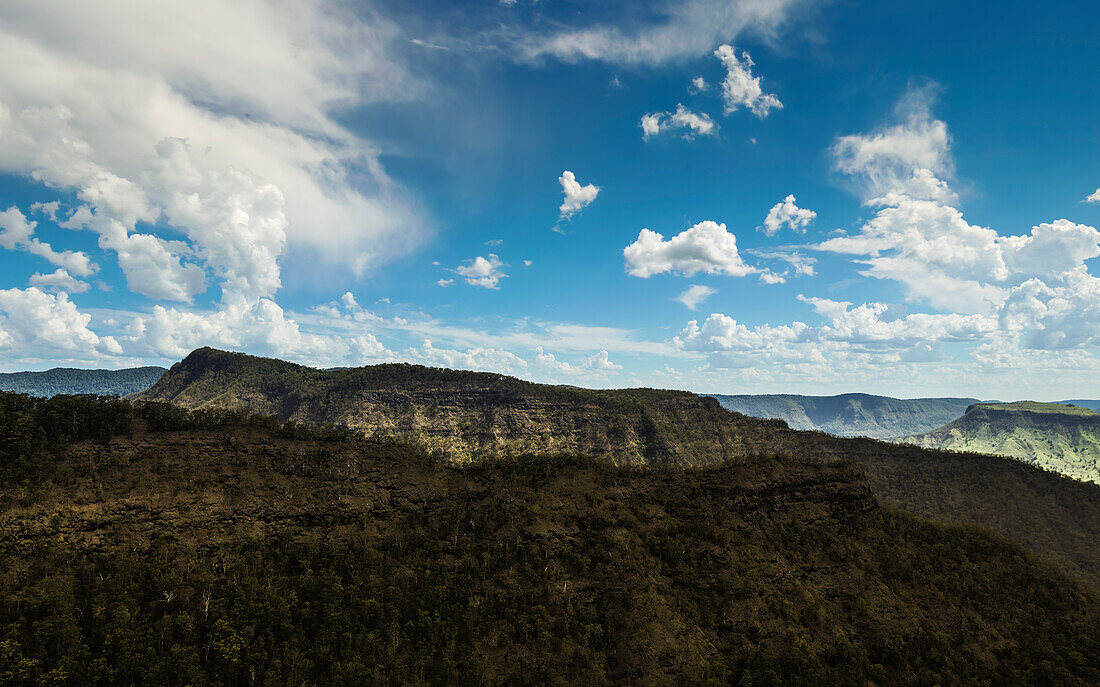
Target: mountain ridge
70	380
468	416
850	414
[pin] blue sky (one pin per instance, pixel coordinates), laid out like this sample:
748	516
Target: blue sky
888	197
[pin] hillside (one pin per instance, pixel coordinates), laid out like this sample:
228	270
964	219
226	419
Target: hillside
67	380
1091	404
466	415
850	415
156	546
1056	437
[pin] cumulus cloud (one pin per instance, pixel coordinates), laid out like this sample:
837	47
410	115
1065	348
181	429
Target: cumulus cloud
740	88
601	362
58	280
786	212
695	294
691	124
705	247
1094	198
911	158
698	85
251	85
577	197
17	233
483	272
46	325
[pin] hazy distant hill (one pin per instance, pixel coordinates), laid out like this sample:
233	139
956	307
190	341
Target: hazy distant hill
1053	436
850	415
470	416
67	380
1086	403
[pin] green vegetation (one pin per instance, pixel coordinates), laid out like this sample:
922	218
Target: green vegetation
463	416
1056	437
226	548
65	380
850	415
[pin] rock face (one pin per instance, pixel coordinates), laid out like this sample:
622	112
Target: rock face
464	415
1056	437
850	415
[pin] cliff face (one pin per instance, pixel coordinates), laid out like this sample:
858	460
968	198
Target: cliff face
463	415
1055	437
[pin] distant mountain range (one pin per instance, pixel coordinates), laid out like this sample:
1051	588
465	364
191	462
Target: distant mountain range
850	415
1060	437
67	380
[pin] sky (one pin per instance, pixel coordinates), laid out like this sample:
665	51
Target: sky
738	196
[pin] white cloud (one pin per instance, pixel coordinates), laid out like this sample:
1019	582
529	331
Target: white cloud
601	362
740	88
252	85
483	272
695	294
40	324
786	212
58	280
577	197
911	158
445	282
698	85
1094	198
17	233
683	29
481	359
692	124
705	247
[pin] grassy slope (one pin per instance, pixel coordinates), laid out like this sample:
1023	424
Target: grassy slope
64	380
239	556
878	417
1051	514
1056	437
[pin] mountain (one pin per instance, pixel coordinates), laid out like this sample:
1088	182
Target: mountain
468	416
151	545
1054	436
851	415
67	380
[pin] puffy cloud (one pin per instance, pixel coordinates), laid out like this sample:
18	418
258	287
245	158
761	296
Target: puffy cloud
698	85
483	359
705	247
910	159
39	324
17	233
690	123
867	323
58	280
1094	198
695	294
483	272
445	282
577	197
683	29
740	88
601	362
250	84
790	214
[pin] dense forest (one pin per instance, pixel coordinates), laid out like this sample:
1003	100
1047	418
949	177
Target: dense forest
67	380
465	416
144	544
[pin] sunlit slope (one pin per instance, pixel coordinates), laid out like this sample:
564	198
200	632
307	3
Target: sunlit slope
1053	436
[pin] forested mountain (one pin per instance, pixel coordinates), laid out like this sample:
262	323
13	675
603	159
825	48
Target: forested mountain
151	545
466	416
67	380
850	415
1054	436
